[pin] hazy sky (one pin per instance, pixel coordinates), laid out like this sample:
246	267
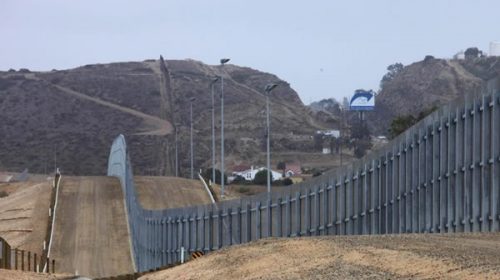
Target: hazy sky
322	48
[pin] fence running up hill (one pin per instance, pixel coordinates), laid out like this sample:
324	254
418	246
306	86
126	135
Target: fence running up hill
442	175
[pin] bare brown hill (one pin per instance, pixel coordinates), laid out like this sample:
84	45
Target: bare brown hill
412	256
24	213
69	118
432	83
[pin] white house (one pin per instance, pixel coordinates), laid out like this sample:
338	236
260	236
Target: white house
249	174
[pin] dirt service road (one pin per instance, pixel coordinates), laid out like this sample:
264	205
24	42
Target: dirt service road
424	256
91	235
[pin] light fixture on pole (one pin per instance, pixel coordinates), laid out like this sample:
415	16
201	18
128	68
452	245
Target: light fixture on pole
222	62
176	151
268	90
212	84
191	118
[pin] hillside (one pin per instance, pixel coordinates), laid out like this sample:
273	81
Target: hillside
418	87
409	256
431	83
69	118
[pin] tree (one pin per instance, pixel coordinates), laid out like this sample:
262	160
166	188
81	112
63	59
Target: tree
471	53
393	70
345	103
281	166
360	137
402	123
261	177
287	182
207	175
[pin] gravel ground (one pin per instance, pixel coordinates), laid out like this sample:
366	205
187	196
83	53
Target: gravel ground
424	256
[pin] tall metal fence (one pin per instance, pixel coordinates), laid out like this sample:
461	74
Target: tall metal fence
441	175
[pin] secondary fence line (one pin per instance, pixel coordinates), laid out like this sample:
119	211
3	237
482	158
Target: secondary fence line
206	188
57	181
441	175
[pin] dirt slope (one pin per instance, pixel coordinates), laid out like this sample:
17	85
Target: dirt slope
23	275
170	192
91	235
24	214
358	257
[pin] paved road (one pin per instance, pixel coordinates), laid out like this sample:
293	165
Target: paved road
91	236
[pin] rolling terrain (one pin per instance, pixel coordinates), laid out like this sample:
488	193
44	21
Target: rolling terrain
24	213
424	256
68	117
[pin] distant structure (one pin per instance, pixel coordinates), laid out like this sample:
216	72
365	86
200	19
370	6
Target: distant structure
459	55
494	49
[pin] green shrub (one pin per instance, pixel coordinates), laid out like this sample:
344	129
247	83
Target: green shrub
207	175
3	194
261	177
287	181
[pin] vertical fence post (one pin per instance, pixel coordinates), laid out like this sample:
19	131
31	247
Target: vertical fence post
15	258
279	219
258	221
297	214
248	220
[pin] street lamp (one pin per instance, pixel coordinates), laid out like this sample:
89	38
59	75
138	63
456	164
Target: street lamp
176	151
191	118
212	83
268	90
222	62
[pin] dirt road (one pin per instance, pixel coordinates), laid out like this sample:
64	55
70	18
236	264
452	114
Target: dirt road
91	236
24	213
170	192
425	256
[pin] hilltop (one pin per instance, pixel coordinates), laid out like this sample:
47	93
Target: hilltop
429	84
419	88
70	117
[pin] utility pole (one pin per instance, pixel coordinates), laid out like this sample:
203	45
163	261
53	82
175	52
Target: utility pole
268	90
222	171
192	154
212	84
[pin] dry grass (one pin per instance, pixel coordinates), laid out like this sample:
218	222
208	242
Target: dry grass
357	257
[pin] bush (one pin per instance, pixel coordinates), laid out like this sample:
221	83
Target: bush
3	194
287	182
261	177
243	189
207	175
239	180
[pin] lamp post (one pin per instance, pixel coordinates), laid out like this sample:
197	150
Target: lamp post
176	152
268	90
222	62
191	118
212	84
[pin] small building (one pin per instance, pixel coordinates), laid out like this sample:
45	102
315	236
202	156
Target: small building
494	48
249	174
293	169
329	133
459	55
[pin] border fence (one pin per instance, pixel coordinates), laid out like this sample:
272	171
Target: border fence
441	175
23	260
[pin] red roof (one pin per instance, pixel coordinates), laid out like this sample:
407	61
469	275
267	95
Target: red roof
294	167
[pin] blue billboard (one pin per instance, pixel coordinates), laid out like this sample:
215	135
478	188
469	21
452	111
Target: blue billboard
362	100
